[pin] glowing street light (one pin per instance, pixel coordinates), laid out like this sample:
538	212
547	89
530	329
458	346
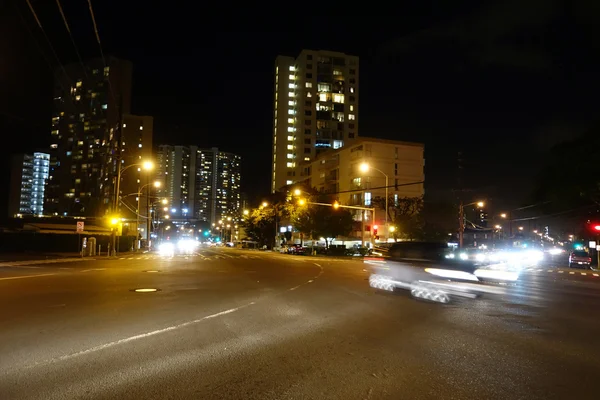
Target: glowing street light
246	212
264	204
148	165
301	202
297	192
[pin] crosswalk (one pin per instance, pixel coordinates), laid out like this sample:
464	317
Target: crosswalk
193	256
591	274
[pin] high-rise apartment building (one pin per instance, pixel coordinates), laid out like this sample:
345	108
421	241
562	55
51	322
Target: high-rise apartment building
29	173
199	184
315	109
89	103
136	148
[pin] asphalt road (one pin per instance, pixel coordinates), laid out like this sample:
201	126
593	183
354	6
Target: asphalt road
228	324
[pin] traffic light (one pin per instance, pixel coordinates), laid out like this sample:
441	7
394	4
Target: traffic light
596	227
375	232
206	233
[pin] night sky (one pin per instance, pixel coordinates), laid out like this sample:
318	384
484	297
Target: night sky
500	82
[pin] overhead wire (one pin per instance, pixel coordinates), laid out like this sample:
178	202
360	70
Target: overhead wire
49	42
64	18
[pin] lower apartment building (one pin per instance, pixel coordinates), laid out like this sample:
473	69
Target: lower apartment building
358	172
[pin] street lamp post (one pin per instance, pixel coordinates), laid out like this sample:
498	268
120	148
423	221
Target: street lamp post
461	220
364	167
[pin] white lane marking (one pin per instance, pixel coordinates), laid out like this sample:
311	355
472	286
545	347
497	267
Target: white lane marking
595	274
550	270
121	258
144	335
560	272
571	273
24	276
583	273
311	281
139	258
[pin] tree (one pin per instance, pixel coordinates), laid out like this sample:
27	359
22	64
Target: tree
261	222
321	221
404	213
570	177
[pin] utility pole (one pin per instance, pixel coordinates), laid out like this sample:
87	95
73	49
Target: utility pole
461	224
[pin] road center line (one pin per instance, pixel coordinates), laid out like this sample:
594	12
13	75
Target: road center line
24	276
141	336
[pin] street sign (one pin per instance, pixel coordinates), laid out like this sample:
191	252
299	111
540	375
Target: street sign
80	226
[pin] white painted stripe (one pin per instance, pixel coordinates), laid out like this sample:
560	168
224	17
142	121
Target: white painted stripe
145	335
583	273
24	276
571	273
595	274
550	270
560	272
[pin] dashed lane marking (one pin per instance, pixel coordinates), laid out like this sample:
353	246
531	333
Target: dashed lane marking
24	277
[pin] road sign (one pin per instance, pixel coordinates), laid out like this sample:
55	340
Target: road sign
80	226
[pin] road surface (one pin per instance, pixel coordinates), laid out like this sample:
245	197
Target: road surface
231	324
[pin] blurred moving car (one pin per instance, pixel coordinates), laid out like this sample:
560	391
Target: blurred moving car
431	271
580	258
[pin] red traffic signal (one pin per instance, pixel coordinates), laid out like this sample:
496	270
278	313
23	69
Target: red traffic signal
596	227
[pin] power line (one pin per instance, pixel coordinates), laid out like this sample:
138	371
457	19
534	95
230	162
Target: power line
48	40
71	36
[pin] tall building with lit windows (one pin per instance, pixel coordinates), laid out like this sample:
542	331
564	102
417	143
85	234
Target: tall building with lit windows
29	174
199	184
90	100
315	109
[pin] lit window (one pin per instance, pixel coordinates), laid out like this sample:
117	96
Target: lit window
308	94
291	112
290	165
291	103
351	117
291	94
290	155
290	129
290	120
290	147
306	158
104	106
337	72
292	68
78	97
291	77
338	98
124	125
351	90
308	84
367	198
78	84
54	146
291	86
288	182
323	97
141	128
351	107
290	138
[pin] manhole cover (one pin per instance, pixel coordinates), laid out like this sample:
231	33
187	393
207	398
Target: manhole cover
145	290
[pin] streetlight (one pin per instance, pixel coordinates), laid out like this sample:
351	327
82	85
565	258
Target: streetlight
246	212
461	219
364	167
156	184
147	165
